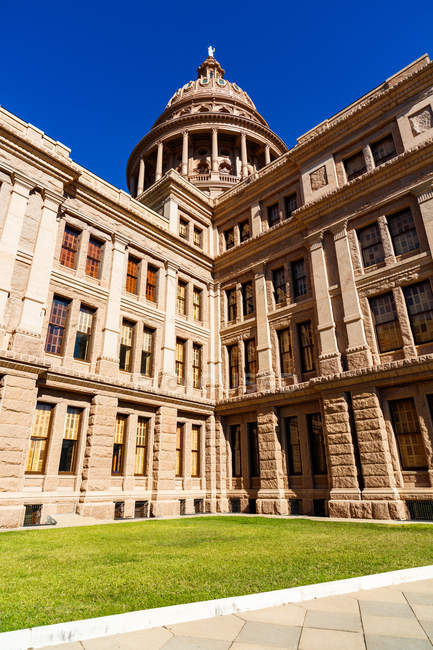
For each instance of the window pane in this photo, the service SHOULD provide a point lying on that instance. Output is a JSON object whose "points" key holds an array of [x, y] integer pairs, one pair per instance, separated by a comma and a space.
{"points": [[279, 282], [69, 247], [195, 450], [285, 352], [419, 302], [406, 428], [56, 325], [244, 230], [247, 298], [233, 366], [141, 446], [307, 346], [132, 275], [273, 215], [235, 446], [403, 232], [386, 322], [253, 449], [180, 361], [197, 237], [67, 456], [317, 443], [299, 278], [355, 165], [293, 447], [231, 304], [250, 362], [94, 255], [196, 365], [197, 304], [181, 292], [371, 245], [151, 283], [39, 436], [179, 449], [290, 205], [383, 149], [229, 237]]}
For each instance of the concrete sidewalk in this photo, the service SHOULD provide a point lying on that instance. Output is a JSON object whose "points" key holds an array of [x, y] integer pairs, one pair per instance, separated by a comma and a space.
{"points": [[391, 618]]}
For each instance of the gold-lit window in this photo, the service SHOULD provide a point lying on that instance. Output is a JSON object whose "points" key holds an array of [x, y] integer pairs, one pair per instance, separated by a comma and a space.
{"points": [[244, 230], [198, 237], [306, 345], [118, 445], [233, 355], [196, 297], [179, 449], [183, 228], [132, 275], [180, 361], [386, 322], [70, 439], [229, 237], [250, 362], [141, 443], [196, 365], [406, 428], [39, 438], [286, 357], [279, 284], [126, 337], [147, 352], [195, 450], [181, 298]]}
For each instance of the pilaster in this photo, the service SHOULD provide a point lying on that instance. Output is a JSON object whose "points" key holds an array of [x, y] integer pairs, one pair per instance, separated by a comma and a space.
{"points": [[167, 377], [265, 372], [424, 196], [164, 502], [271, 493]]}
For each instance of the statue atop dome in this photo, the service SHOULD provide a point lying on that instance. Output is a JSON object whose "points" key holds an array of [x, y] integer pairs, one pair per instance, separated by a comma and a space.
{"points": [[210, 50]]}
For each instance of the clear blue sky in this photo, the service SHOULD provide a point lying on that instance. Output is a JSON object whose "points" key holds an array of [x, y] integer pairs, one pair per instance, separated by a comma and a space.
{"points": [[96, 75]]}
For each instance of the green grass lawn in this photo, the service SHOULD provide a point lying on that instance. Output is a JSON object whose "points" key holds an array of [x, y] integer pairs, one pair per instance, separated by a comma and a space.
{"points": [[49, 576]]}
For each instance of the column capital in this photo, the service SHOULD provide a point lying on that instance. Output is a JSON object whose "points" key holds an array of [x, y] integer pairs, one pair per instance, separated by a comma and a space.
{"points": [[314, 240], [171, 267], [339, 230], [52, 200], [120, 242], [259, 270], [21, 184]]}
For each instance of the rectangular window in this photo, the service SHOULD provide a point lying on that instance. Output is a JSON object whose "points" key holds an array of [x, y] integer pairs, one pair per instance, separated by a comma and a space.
{"points": [[196, 304], [231, 305], [279, 284], [293, 446], [403, 232], [229, 237], [70, 439], [306, 345], [68, 253], [56, 325], [94, 257], [181, 298], [383, 150], [355, 165], [118, 445], [299, 277], [183, 228], [151, 283], [180, 361], [290, 205], [147, 352], [317, 443], [84, 333], [179, 449], [233, 356], [371, 245], [39, 438], [141, 443], [195, 450], [247, 298], [285, 345], [386, 322], [250, 362], [273, 215], [196, 365], [253, 449], [198, 237], [419, 302], [244, 230], [406, 428], [126, 339], [235, 447], [132, 275]]}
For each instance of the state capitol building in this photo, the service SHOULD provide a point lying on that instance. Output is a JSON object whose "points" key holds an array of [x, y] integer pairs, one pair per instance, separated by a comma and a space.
{"points": [[249, 329]]}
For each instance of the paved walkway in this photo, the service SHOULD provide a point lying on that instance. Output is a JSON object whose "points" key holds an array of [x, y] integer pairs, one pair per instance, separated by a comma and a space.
{"points": [[390, 618]]}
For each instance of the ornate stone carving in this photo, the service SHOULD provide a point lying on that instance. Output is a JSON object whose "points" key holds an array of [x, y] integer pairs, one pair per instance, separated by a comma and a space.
{"points": [[421, 121], [318, 178]]}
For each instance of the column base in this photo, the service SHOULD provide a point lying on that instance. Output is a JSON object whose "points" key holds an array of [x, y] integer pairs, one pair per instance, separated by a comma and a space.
{"points": [[26, 343], [330, 364], [166, 508], [272, 506], [265, 382], [98, 509], [359, 357], [368, 509]]}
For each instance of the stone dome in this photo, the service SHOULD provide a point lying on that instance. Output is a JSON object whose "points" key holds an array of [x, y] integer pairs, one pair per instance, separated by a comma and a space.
{"points": [[210, 132]]}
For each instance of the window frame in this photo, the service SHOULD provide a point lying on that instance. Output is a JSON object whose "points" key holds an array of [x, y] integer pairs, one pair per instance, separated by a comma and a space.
{"points": [[39, 443], [293, 459], [395, 236], [180, 443], [195, 450], [147, 355], [319, 460], [279, 285], [253, 450], [119, 445], [85, 336], [73, 456], [286, 356], [247, 300], [180, 361], [402, 435], [141, 442], [250, 358], [152, 283], [71, 250], [232, 306], [132, 281], [233, 365], [197, 365], [310, 346], [236, 450], [411, 314], [364, 247], [53, 324], [273, 214], [374, 304], [299, 280], [125, 348], [376, 143]]}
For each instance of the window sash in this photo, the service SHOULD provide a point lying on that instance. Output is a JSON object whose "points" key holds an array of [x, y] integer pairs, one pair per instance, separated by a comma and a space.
{"points": [[179, 449], [72, 423], [126, 339], [120, 428], [233, 354], [132, 275], [253, 450], [403, 232], [273, 214], [244, 230], [285, 344], [181, 292], [141, 446], [232, 304], [56, 325], [419, 302], [180, 362], [183, 229], [197, 304], [299, 278], [67, 456], [307, 346], [386, 322], [250, 362], [229, 237], [198, 234], [355, 165], [371, 245], [127, 333], [195, 450], [290, 205], [406, 428], [151, 284], [196, 365], [279, 282], [69, 247], [383, 149], [94, 255], [293, 447], [247, 298], [39, 437], [235, 446], [317, 443]]}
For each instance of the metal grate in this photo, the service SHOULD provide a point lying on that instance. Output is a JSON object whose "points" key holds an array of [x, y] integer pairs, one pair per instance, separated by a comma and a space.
{"points": [[198, 506], [118, 509], [421, 510], [32, 515], [295, 506], [141, 509], [235, 505], [319, 507], [182, 506]]}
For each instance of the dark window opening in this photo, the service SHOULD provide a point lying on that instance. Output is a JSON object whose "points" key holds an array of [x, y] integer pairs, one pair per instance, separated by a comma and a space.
{"points": [[119, 507], [32, 516]]}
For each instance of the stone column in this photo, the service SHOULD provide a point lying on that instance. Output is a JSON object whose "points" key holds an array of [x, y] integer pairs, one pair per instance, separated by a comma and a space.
{"points": [[329, 357], [10, 237], [95, 498], [380, 489], [185, 153], [27, 337], [256, 219], [159, 155], [141, 170], [265, 373], [270, 497], [171, 212], [267, 155], [345, 493], [215, 150], [358, 351], [424, 196], [108, 363], [210, 465], [221, 465], [167, 378], [17, 407], [244, 156], [164, 501]]}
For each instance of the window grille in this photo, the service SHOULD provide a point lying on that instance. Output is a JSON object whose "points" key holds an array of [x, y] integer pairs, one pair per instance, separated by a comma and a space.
{"points": [[403, 232], [119, 507], [32, 515], [371, 245], [198, 506], [252, 506], [319, 507], [94, 257], [141, 443], [235, 505], [69, 249], [56, 325], [70, 438], [420, 510], [386, 322], [141, 510], [39, 438], [419, 302], [182, 506], [132, 275], [406, 428]]}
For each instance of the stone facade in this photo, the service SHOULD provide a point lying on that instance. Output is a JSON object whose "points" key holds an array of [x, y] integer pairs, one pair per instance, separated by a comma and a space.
{"points": [[250, 329]]}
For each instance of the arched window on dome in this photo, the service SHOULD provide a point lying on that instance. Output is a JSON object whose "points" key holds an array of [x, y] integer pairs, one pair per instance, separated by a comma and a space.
{"points": [[202, 168], [225, 168]]}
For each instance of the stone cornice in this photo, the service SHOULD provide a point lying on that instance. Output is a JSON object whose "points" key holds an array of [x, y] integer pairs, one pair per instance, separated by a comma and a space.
{"points": [[173, 181]]}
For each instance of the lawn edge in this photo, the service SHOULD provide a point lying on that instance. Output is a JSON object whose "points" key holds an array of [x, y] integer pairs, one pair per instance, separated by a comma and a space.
{"points": [[81, 630]]}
